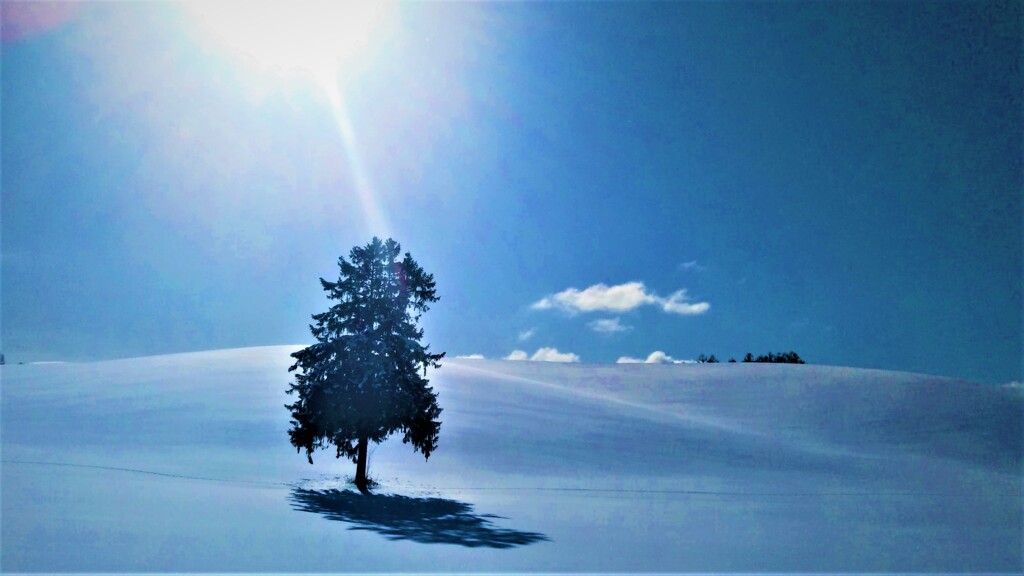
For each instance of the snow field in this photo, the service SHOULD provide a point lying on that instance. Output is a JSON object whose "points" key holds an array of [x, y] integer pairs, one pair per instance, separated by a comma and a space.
{"points": [[182, 463]]}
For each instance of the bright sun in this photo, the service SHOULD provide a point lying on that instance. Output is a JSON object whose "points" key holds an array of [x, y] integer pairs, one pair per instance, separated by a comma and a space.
{"points": [[315, 38], [323, 42]]}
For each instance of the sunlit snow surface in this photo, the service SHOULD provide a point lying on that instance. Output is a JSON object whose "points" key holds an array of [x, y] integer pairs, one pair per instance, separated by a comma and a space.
{"points": [[182, 463]]}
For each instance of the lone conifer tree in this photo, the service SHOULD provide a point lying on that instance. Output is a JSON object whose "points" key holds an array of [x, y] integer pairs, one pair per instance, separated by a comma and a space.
{"points": [[361, 381]]}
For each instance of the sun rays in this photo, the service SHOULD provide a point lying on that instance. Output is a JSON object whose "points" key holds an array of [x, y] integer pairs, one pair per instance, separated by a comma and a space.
{"points": [[374, 218], [322, 43]]}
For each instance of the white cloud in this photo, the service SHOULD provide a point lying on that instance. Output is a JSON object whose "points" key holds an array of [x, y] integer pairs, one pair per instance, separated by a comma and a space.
{"points": [[608, 326], [544, 355], [598, 297], [526, 334], [619, 298], [472, 357], [677, 304], [692, 265], [659, 357], [553, 355], [656, 357]]}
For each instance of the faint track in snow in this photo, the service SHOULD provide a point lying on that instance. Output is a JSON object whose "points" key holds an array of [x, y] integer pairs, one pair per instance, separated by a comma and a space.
{"points": [[705, 492], [688, 416], [149, 472], [651, 491]]}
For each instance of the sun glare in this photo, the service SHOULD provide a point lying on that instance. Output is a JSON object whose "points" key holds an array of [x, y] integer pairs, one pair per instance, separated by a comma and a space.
{"points": [[315, 38], [324, 43]]}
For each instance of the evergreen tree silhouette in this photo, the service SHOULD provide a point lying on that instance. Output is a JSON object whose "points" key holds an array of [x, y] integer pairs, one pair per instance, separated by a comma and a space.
{"points": [[361, 381]]}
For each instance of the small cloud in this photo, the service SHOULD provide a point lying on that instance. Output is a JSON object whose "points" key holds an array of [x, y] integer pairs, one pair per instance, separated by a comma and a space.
{"points": [[659, 357], [526, 334], [544, 355], [543, 304], [692, 265], [608, 326], [677, 304], [553, 355], [619, 298], [598, 298], [472, 357], [656, 357]]}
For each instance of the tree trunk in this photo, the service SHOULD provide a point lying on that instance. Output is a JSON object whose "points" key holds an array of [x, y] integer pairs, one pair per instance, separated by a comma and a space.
{"points": [[361, 482]]}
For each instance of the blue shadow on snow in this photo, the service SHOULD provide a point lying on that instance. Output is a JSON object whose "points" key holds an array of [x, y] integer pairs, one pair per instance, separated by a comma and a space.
{"points": [[424, 520]]}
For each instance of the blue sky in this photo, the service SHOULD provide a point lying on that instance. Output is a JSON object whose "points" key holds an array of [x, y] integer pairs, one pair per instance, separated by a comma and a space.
{"points": [[584, 180]]}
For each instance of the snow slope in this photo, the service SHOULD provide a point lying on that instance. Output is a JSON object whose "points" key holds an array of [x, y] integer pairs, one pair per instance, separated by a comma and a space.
{"points": [[182, 463]]}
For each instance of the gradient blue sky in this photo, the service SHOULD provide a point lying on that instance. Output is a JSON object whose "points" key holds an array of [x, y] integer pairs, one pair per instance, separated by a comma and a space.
{"points": [[839, 179]]}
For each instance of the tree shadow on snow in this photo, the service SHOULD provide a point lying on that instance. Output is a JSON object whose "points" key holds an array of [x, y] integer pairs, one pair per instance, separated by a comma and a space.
{"points": [[424, 520]]}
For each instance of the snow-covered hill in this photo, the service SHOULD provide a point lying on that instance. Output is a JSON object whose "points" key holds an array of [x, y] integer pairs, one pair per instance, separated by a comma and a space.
{"points": [[182, 463]]}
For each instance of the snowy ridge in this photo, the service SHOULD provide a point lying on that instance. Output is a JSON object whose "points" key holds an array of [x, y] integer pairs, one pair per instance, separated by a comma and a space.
{"points": [[655, 410], [182, 463]]}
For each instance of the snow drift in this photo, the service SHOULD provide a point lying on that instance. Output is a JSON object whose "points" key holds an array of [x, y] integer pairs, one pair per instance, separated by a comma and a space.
{"points": [[182, 463]]}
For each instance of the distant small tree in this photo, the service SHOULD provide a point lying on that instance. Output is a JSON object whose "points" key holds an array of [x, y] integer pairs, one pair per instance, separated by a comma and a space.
{"points": [[361, 381], [712, 359], [749, 357], [791, 358], [2, 361], [780, 358], [732, 360], [702, 359]]}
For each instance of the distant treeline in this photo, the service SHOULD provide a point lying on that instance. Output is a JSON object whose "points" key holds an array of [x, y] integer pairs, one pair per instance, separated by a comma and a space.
{"points": [[769, 358]]}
